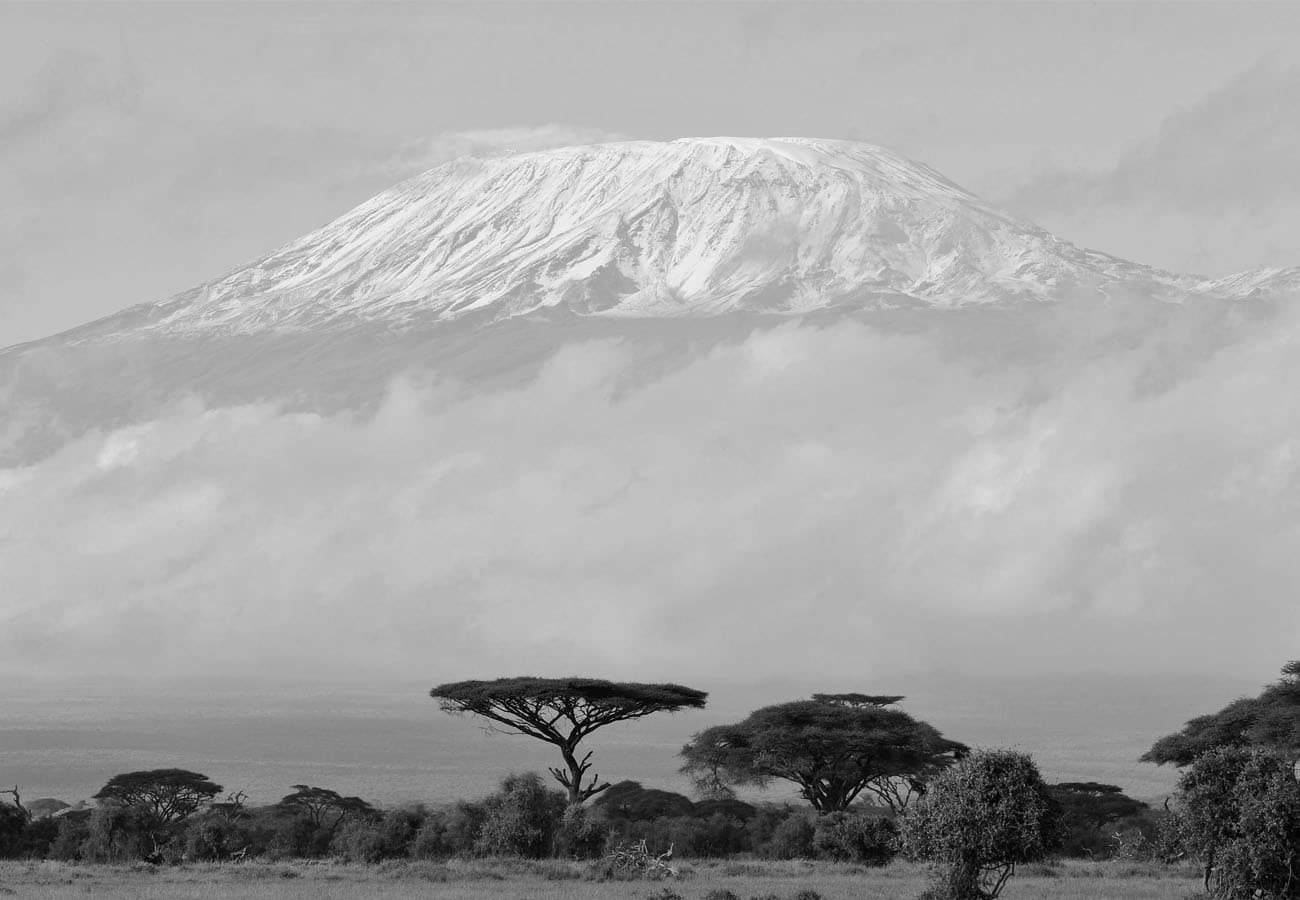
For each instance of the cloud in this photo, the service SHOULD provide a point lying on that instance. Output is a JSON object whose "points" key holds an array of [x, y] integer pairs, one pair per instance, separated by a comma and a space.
{"points": [[1215, 189], [840, 503], [71, 84], [421, 155]]}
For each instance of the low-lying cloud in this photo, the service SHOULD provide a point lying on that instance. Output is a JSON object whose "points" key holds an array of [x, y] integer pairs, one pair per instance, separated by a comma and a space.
{"points": [[1215, 189], [1070, 493], [418, 156]]}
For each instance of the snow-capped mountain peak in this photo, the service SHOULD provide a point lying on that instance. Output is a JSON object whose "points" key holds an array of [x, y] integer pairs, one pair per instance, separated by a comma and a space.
{"points": [[691, 227]]}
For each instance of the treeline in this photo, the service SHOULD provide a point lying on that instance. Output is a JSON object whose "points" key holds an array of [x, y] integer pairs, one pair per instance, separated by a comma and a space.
{"points": [[523, 818], [876, 783]]}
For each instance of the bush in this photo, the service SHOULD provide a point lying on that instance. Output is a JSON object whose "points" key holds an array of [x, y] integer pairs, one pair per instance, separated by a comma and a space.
{"points": [[13, 823], [369, 840], [463, 822], [578, 837], [73, 832], [979, 819], [38, 836], [120, 833], [433, 839], [521, 819], [1239, 813], [854, 837], [294, 836], [629, 800], [791, 839]]}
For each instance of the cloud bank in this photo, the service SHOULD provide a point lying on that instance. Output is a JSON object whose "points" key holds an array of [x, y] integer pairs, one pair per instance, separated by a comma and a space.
{"points": [[1214, 190], [1075, 491], [418, 156]]}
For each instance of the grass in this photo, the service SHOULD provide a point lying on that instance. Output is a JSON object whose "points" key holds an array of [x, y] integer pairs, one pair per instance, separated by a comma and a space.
{"points": [[523, 880]]}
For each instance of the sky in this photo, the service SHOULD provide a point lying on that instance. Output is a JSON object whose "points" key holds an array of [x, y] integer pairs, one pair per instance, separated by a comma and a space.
{"points": [[145, 148], [1082, 491]]}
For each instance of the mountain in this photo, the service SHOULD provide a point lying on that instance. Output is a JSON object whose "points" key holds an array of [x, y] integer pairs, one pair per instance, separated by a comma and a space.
{"points": [[472, 266], [645, 229]]}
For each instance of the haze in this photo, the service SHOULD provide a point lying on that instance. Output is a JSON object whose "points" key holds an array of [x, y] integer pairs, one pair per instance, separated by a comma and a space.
{"points": [[1078, 490]]}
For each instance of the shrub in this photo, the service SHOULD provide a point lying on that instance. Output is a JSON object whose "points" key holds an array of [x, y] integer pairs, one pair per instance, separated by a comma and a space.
{"points": [[74, 831], [211, 838], [521, 819], [13, 823], [357, 840], [791, 839], [38, 837], [629, 800], [120, 833], [294, 836], [1240, 815], [578, 837], [433, 840], [980, 819], [463, 822], [854, 837]]}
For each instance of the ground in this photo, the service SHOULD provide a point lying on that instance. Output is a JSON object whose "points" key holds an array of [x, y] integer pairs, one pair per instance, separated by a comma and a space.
{"points": [[516, 880]]}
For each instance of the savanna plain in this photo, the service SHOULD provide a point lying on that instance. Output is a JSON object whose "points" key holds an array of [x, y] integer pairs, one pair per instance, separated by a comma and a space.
{"points": [[556, 880]]}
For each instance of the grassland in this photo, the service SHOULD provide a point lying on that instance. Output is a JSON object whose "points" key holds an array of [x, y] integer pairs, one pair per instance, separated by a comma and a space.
{"points": [[517, 880]]}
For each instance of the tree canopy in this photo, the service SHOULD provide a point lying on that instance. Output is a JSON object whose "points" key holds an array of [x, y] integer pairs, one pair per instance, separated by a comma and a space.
{"points": [[167, 795], [1271, 721], [563, 711], [1239, 814], [322, 806], [982, 817], [833, 747]]}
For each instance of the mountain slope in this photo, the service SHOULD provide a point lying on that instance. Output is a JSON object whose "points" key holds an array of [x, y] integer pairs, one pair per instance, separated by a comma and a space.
{"points": [[644, 229], [480, 269]]}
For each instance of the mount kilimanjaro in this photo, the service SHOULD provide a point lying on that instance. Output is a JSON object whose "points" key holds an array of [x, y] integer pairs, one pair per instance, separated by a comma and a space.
{"points": [[479, 267]]}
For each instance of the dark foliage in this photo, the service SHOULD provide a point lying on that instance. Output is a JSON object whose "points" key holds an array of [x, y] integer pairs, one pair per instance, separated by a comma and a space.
{"points": [[834, 747], [792, 838], [1271, 720], [1239, 814], [563, 711], [1092, 814], [521, 819], [13, 827], [629, 800], [981, 818], [74, 831], [323, 807], [165, 795], [869, 840]]}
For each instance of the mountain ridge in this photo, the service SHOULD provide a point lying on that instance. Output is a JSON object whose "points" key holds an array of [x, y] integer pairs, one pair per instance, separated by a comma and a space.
{"points": [[692, 227]]}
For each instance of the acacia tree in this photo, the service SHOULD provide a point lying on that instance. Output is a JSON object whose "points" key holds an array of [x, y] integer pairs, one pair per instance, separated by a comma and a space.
{"points": [[980, 819], [834, 747], [1271, 721], [318, 804], [563, 711], [1088, 807], [166, 795]]}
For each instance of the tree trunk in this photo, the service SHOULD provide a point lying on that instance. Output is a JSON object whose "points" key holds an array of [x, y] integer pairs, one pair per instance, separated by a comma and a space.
{"points": [[575, 776]]}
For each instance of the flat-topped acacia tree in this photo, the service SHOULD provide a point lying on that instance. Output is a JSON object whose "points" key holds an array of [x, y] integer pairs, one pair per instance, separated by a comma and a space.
{"points": [[1271, 721], [167, 795], [563, 711], [833, 747]]}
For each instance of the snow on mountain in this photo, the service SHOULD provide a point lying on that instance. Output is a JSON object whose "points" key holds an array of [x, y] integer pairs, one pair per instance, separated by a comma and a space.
{"points": [[480, 269], [692, 227], [1256, 283]]}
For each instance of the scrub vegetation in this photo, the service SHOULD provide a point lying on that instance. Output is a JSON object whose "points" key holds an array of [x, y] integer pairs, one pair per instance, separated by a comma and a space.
{"points": [[892, 808]]}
